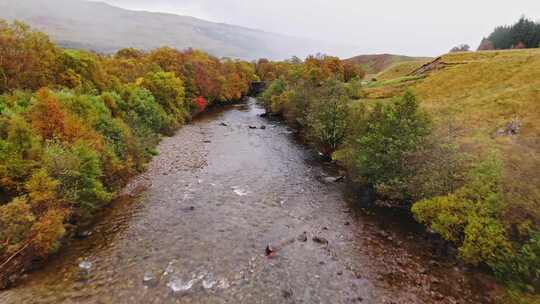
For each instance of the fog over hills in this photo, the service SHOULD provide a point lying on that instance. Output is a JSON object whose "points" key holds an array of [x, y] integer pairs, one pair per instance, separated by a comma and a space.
{"points": [[104, 28]]}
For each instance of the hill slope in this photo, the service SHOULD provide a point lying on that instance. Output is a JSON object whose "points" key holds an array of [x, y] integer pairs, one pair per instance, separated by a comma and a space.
{"points": [[105, 28], [486, 93], [374, 64]]}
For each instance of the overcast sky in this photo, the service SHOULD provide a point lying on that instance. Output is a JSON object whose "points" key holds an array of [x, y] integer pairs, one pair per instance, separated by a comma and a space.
{"points": [[409, 27]]}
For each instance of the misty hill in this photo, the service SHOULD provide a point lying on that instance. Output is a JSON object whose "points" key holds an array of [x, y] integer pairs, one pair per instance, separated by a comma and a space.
{"points": [[374, 64], [104, 28]]}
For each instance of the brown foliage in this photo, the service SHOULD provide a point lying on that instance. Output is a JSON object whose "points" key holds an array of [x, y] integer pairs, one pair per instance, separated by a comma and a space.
{"points": [[28, 59], [52, 121]]}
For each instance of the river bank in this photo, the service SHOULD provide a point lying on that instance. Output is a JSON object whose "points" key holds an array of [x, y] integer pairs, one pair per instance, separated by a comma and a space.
{"points": [[193, 229]]}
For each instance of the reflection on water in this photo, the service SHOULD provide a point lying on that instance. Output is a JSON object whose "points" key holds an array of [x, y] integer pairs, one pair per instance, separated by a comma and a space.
{"points": [[222, 190]]}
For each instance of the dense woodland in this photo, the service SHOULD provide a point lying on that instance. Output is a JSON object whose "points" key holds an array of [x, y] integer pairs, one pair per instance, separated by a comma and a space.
{"points": [[76, 126], [412, 161], [525, 33]]}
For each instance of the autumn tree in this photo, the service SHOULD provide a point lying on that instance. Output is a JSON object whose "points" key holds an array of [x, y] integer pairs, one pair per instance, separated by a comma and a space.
{"points": [[168, 90], [28, 59]]}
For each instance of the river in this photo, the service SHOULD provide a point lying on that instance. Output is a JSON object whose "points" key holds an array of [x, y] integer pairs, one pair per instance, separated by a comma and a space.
{"points": [[194, 228]]}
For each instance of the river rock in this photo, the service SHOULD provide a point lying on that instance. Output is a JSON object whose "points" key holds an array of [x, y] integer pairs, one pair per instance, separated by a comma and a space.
{"points": [[286, 294], [85, 265], [302, 237], [179, 286], [84, 270], [331, 179], [150, 280], [320, 240], [83, 234]]}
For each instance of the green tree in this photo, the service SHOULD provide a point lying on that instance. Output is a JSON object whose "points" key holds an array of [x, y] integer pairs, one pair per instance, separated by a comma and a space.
{"points": [[78, 169], [168, 90], [328, 116], [393, 132], [276, 88]]}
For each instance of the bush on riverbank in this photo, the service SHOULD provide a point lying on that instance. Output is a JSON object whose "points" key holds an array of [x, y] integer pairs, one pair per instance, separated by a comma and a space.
{"points": [[312, 96], [395, 132], [76, 126]]}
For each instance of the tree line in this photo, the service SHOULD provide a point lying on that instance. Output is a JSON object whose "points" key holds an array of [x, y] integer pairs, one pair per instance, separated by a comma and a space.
{"points": [[75, 126], [525, 33]]}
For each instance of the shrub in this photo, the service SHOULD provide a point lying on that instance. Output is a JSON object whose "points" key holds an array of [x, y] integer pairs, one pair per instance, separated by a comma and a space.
{"points": [[471, 217], [48, 231], [50, 118], [78, 169], [29, 58], [142, 113], [328, 116], [95, 113], [393, 132], [16, 220], [168, 91], [200, 104], [523, 268], [20, 152], [276, 88], [42, 192]]}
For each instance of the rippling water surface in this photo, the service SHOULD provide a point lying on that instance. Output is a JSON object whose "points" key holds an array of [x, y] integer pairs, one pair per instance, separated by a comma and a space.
{"points": [[211, 202]]}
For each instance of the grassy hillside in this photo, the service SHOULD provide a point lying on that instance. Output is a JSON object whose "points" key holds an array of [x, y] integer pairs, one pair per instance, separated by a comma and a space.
{"points": [[401, 69], [484, 92], [374, 64]]}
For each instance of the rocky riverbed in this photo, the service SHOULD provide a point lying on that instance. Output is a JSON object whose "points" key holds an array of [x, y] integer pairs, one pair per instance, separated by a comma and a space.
{"points": [[235, 210]]}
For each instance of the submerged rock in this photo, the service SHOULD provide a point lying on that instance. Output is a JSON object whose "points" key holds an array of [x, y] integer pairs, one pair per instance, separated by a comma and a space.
{"points": [[84, 270], [179, 286], [224, 284], [335, 179], [83, 234], [209, 282], [302, 237], [85, 265], [240, 192], [287, 293], [149, 280], [320, 240]]}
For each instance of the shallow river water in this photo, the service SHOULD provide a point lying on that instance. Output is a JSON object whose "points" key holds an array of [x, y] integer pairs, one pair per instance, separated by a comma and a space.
{"points": [[194, 228]]}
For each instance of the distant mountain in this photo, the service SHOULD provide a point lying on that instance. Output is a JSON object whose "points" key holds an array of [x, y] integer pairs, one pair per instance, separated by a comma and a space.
{"points": [[104, 28], [374, 64]]}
